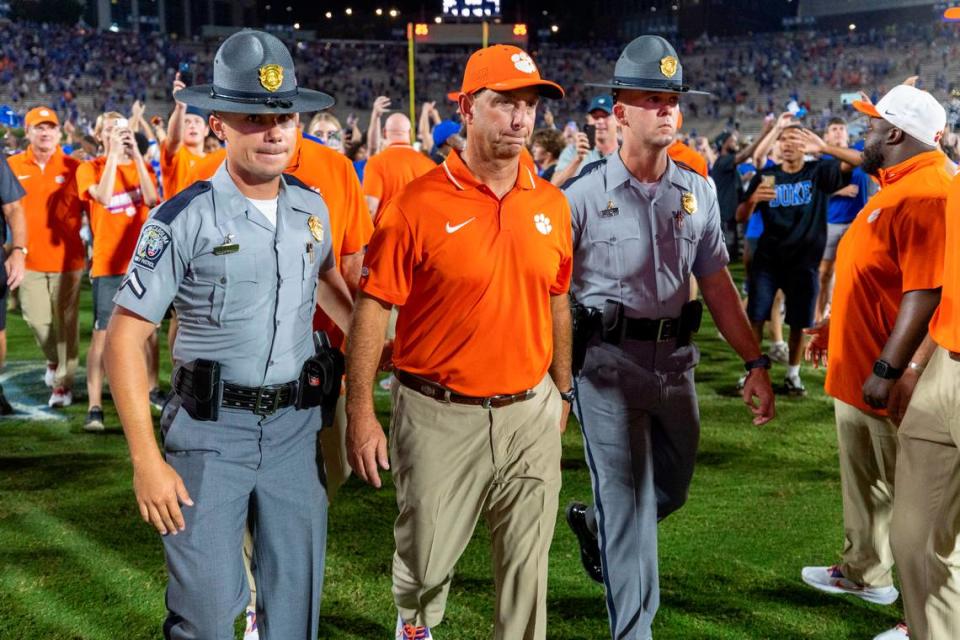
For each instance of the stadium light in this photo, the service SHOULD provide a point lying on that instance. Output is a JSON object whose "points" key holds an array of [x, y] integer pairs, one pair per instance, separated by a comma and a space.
{"points": [[438, 20], [554, 28], [328, 15], [379, 12], [394, 13], [348, 11], [520, 29], [296, 25], [853, 27], [421, 29]]}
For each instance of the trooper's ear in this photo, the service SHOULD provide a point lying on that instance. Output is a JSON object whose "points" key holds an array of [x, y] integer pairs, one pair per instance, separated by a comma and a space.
{"points": [[216, 125], [620, 113]]}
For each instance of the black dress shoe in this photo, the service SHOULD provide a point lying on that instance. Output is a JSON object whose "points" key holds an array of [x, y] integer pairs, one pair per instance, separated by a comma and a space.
{"points": [[5, 408], [589, 547]]}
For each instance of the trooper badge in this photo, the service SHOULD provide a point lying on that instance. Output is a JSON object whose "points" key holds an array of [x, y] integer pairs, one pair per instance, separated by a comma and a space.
{"points": [[316, 228]]}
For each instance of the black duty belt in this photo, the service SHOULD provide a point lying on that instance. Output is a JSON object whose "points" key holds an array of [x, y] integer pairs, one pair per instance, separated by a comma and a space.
{"points": [[260, 400], [439, 392], [649, 329]]}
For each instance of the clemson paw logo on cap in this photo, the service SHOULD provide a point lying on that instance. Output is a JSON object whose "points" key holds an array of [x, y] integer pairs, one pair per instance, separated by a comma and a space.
{"points": [[543, 223], [523, 62], [43, 112]]}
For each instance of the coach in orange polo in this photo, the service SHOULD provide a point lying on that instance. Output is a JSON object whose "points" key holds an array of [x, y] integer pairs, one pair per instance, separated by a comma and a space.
{"points": [[477, 256], [50, 289]]}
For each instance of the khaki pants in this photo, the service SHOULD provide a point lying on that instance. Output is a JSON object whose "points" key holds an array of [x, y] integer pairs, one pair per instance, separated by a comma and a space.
{"points": [[868, 458], [453, 463], [333, 457], [926, 513], [49, 302]]}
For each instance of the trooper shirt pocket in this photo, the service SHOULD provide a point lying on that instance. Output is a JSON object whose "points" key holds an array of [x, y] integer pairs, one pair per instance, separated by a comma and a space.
{"points": [[616, 246]]}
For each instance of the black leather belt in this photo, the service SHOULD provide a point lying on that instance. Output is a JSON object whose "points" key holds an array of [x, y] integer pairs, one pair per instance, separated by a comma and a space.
{"points": [[260, 400], [651, 330], [439, 392]]}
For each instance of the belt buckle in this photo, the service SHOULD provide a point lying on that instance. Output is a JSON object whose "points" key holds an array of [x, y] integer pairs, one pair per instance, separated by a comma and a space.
{"points": [[487, 402], [268, 409], [662, 323]]}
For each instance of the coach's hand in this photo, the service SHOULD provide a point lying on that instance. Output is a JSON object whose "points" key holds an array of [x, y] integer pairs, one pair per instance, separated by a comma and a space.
{"points": [[900, 394], [816, 351], [160, 492], [876, 391], [366, 447], [757, 386]]}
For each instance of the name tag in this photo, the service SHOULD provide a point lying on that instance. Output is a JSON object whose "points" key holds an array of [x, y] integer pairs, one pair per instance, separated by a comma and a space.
{"points": [[609, 213], [224, 249]]}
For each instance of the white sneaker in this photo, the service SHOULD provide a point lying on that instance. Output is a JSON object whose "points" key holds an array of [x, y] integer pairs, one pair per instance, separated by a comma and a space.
{"points": [[832, 580], [61, 397], [899, 632], [410, 632], [49, 376], [779, 352], [251, 633]]}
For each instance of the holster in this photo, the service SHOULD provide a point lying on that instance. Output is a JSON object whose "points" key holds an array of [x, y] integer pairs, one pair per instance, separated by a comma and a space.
{"points": [[320, 379], [691, 315], [611, 328], [586, 321], [202, 397]]}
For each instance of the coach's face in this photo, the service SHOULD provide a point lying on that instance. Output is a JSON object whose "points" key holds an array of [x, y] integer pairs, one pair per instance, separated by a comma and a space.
{"points": [[500, 122], [647, 117], [44, 136], [259, 145]]}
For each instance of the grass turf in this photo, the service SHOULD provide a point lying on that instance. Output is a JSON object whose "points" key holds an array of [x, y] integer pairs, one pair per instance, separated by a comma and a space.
{"points": [[78, 563]]}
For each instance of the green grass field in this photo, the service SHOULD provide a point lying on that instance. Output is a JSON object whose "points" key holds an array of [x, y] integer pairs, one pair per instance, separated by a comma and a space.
{"points": [[78, 563]]}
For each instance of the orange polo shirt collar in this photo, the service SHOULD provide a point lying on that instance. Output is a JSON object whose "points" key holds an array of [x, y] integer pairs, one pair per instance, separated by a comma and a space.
{"points": [[897, 172], [462, 178]]}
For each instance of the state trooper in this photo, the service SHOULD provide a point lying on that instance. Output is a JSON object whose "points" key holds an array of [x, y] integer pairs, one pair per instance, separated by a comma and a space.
{"points": [[642, 225], [242, 258]]}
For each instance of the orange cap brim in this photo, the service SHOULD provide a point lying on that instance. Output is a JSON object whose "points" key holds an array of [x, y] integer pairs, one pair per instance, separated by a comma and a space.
{"points": [[867, 108], [453, 96], [953, 13], [547, 89]]}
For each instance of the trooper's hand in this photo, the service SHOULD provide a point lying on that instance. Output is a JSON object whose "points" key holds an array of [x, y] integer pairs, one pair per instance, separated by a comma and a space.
{"points": [[366, 447], [160, 492], [757, 386]]}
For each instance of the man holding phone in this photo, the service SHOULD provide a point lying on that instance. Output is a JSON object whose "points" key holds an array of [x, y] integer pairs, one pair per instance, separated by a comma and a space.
{"points": [[792, 199], [597, 140]]}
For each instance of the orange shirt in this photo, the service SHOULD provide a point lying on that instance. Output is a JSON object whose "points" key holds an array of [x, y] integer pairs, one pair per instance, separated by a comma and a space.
{"points": [[388, 172], [53, 211], [117, 226], [682, 153], [894, 245], [177, 169], [204, 168], [473, 276], [945, 325]]}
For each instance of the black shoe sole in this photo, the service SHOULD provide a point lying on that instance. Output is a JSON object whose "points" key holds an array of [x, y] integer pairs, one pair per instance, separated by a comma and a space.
{"points": [[587, 542]]}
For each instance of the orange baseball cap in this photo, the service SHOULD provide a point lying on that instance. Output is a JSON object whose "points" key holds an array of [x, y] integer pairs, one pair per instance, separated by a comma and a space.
{"points": [[952, 14], [41, 114], [503, 67]]}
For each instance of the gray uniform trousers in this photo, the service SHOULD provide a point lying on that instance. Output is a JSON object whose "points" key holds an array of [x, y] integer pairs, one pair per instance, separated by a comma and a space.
{"points": [[641, 428], [242, 467]]}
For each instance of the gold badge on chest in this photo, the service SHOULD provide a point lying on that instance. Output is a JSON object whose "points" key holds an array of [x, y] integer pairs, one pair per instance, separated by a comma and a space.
{"points": [[689, 203], [316, 228]]}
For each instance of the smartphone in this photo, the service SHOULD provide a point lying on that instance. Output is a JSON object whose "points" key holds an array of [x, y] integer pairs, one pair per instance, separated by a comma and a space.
{"points": [[186, 75], [122, 123], [591, 131], [768, 181]]}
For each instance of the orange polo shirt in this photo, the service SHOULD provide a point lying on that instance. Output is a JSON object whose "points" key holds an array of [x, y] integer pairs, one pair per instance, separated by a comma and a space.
{"points": [[53, 211], [895, 244], [683, 153], [177, 169], [473, 276], [204, 168], [117, 226], [945, 325], [388, 172]]}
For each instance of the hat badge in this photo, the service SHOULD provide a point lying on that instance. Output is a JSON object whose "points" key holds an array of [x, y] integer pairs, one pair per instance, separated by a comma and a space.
{"points": [[316, 228], [689, 203], [668, 66], [271, 77]]}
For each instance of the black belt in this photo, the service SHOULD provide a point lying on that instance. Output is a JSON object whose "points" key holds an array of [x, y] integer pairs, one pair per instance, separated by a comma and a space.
{"points": [[439, 392], [651, 330], [260, 400]]}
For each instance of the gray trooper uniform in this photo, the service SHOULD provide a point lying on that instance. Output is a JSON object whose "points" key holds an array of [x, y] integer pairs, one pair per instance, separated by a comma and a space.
{"points": [[637, 399], [244, 293]]}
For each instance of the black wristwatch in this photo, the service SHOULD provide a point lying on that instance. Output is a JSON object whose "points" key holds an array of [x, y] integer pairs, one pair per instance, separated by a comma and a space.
{"points": [[885, 370], [569, 396], [762, 361]]}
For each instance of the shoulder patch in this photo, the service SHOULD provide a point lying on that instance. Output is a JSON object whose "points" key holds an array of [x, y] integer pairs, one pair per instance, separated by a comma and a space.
{"points": [[596, 164], [154, 241], [172, 207]]}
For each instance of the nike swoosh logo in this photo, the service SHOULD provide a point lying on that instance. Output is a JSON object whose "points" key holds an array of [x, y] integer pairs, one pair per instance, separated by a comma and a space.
{"points": [[452, 229], [22, 177]]}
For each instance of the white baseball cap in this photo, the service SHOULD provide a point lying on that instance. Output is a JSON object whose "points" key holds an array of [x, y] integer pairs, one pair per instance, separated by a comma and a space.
{"points": [[912, 110]]}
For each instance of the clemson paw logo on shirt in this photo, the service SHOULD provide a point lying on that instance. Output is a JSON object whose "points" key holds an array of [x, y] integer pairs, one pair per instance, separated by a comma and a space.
{"points": [[543, 223], [523, 62]]}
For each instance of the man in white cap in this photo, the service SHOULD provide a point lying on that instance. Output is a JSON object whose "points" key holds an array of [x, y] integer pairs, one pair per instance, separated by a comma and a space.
{"points": [[889, 272]]}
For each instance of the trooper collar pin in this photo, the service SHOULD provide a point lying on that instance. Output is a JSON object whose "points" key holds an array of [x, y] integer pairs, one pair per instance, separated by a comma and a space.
{"points": [[610, 211]]}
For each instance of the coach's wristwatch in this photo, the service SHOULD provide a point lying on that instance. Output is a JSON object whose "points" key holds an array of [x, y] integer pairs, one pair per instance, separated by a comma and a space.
{"points": [[569, 396], [885, 370], [762, 361], [19, 248]]}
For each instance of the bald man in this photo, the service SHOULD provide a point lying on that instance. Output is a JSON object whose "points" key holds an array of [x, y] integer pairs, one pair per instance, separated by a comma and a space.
{"points": [[388, 172]]}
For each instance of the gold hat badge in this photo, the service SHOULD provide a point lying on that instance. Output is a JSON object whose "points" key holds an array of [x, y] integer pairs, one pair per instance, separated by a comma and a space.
{"points": [[689, 203], [316, 228], [668, 66], [271, 77]]}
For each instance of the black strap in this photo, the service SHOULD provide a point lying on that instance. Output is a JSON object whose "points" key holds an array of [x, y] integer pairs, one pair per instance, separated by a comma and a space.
{"points": [[651, 329], [261, 400]]}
